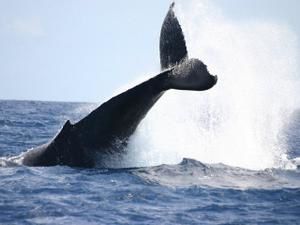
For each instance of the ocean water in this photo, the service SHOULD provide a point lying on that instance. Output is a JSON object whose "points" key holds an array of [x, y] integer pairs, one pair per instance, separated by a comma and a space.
{"points": [[189, 192], [229, 155]]}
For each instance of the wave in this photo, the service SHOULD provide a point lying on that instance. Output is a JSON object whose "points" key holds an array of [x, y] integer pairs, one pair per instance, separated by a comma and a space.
{"points": [[191, 172]]}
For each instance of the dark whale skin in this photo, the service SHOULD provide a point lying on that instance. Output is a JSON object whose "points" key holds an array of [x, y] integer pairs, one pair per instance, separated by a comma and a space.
{"points": [[105, 131]]}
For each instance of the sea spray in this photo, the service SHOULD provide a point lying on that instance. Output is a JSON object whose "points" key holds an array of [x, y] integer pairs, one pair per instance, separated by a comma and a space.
{"points": [[238, 122]]}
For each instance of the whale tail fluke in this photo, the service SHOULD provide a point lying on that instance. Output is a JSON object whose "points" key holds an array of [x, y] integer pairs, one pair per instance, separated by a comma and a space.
{"points": [[187, 74], [191, 74], [172, 44]]}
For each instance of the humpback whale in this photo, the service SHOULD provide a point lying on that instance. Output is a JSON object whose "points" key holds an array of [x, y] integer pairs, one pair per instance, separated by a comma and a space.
{"points": [[105, 131]]}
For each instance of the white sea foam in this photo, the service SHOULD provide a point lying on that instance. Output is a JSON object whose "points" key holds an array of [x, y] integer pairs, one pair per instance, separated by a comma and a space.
{"points": [[238, 122]]}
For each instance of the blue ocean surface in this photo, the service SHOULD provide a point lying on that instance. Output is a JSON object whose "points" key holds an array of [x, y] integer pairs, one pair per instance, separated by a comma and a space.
{"points": [[190, 192]]}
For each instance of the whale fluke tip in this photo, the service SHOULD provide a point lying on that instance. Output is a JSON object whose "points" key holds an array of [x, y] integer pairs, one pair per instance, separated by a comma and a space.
{"points": [[172, 5], [172, 44], [192, 74]]}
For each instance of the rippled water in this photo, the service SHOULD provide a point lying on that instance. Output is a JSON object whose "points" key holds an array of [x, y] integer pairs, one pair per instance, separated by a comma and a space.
{"points": [[187, 193]]}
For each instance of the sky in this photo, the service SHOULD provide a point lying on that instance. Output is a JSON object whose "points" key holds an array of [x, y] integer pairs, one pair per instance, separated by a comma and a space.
{"points": [[84, 50]]}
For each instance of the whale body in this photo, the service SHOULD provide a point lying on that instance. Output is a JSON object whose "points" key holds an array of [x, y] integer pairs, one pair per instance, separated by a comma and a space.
{"points": [[105, 131]]}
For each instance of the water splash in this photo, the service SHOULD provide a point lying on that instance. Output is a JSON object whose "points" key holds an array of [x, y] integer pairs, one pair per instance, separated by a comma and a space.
{"points": [[239, 122]]}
